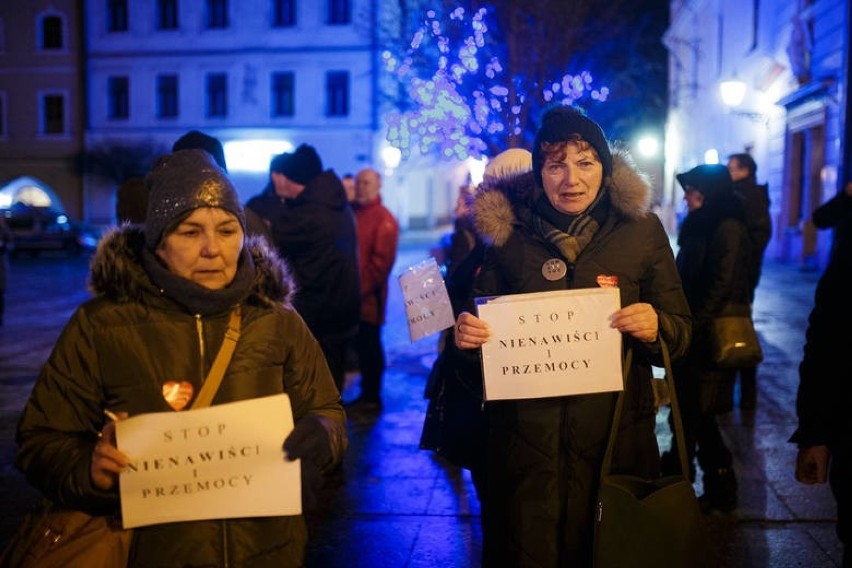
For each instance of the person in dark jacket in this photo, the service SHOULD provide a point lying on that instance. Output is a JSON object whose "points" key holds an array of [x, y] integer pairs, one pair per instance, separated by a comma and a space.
{"points": [[456, 425], [824, 396], [313, 228], [162, 298], [581, 221], [713, 262], [755, 200]]}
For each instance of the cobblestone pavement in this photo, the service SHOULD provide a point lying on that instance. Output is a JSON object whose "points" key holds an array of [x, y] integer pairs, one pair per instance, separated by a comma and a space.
{"points": [[394, 505]]}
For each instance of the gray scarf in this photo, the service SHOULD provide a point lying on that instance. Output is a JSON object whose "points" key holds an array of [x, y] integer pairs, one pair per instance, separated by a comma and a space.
{"points": [[569, 233]]}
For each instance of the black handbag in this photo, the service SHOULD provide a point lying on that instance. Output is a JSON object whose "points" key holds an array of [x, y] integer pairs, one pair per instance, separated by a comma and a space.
{"points": [[647, 522], [734, 342]]}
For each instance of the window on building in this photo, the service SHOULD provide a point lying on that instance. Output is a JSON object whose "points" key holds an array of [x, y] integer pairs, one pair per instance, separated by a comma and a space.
{"points": [[53, 114], [116, 15], [217, 95], [283, 94], [118, 105], [167, 14], [167, 96], [337, 93], [339, 12], [216, 14], [283, 13], [51, 32]]}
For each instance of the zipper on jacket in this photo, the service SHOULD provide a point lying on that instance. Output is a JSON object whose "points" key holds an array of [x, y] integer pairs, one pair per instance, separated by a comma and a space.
{"points": [[199, 328]]}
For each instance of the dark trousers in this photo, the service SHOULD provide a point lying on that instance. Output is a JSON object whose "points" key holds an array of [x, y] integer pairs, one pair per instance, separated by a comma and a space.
{"points": [[334, 348], [371, 361], [840, 477]]}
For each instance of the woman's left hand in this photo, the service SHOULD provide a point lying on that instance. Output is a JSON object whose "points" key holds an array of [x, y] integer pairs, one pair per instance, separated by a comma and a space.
{"points": [[639, 320]]}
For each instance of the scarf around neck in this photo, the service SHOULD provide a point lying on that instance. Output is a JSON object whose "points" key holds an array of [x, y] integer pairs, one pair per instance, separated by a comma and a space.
{"points": [[569, 233], [194, 297]]}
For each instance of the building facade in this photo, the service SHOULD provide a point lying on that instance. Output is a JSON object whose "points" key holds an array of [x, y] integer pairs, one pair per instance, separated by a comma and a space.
{"points": [[789, 60], [261, 75], [42, 96]]}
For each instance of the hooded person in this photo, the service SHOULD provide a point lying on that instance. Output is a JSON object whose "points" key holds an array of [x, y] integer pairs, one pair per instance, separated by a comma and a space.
{"points": [[313, 229], [163, 297], [712, 260], [580, 219]]}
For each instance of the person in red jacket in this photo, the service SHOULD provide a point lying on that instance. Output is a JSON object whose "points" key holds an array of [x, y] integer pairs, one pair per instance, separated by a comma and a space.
{"points": [[378, 234]]}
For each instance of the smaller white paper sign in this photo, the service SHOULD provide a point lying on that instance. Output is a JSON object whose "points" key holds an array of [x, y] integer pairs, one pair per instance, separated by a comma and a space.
{"points": [[427, 304], [224, 461], [551, 344]]}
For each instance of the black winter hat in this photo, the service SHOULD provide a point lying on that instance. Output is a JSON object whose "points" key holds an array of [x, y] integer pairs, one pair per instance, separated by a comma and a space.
{"points": [[709, 179], [558, 124], [195, 140], [300, 166], [180, 183]]}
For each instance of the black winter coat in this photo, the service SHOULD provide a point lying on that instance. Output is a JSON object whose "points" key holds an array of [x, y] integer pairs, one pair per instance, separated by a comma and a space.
{"points": [[713, 261], [544, 455], [118, 350], [755, 201], [315, 233]]}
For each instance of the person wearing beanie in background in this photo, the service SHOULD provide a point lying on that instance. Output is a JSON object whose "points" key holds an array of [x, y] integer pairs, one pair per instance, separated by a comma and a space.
{"points": [[713, 262], [378, 235], [164, 295], [456, 424], [583, 221], [313, 228]]}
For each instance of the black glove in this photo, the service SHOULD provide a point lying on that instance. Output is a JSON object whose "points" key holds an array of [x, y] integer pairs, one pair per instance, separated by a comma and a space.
{"points": [[309, 442]]}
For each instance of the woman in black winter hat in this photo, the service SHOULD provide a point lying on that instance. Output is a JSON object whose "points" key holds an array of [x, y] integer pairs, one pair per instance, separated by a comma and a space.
{"points": [[580, 219], [712, 260], [164, 295]]}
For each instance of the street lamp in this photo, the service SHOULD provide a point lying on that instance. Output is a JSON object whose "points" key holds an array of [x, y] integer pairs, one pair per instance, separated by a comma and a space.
{"points": [[733, 92]]}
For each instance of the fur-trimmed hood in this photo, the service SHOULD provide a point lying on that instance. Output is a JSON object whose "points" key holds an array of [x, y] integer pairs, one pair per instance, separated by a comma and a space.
{"points": [[117, 271], [498, 207]]}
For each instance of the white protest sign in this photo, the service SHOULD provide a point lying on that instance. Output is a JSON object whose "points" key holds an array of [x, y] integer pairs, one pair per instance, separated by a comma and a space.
{"points": [[427, 304], [551, 344], [224, 461]]}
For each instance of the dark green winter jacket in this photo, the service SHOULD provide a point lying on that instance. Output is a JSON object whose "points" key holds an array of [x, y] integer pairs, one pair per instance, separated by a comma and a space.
{"points": [[118, 350], [544, 455]]}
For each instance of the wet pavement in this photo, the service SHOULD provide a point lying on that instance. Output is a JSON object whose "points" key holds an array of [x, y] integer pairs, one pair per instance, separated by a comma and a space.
{"points": [[393, 505]]}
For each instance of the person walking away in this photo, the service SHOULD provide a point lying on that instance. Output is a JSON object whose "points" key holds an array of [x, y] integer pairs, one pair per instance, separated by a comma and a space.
{"points": [[5, 247], [586, 223], [163, 296], [378, 236], [755, 200], [313, 229], [713, 264]]}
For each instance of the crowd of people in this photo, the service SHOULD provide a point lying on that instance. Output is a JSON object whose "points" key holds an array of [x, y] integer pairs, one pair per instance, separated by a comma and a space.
{"points": [[304, 266]]}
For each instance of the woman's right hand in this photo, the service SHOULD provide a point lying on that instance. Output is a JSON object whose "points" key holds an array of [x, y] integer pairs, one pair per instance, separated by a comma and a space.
{"points": [[470, 332], [107, 460]]}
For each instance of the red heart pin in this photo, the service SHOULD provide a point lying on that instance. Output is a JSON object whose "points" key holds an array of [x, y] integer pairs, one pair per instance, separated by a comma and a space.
{"points": [[177, 394], [605, 281]]}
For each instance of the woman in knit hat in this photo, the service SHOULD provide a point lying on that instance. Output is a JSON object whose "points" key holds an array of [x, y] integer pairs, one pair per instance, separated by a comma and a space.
{"points": [[164, 295], [580, 219]]}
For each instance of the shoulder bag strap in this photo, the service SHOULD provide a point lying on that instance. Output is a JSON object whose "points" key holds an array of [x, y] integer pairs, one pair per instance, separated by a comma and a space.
{"points": [[223, 357], [675, 409]]}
